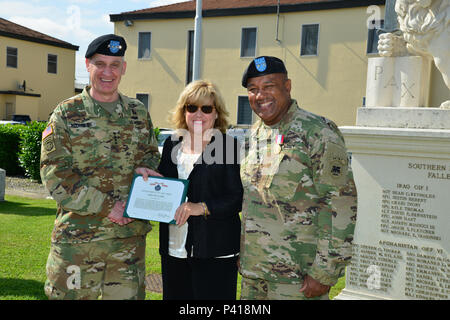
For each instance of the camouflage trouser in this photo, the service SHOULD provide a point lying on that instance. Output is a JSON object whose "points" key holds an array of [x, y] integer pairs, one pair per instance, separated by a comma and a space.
{"points": [[259, 289], [113, 269]]}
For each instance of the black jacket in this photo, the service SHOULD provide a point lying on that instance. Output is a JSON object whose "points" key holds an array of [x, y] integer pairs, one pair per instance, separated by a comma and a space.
{"points": [[215, 181]]}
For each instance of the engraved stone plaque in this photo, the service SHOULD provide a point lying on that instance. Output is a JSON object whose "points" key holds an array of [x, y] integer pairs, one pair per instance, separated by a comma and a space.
{"points": [[398, 82], [402, 239]]}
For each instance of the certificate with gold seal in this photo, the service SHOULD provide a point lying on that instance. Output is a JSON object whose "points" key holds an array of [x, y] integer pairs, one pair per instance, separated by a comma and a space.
{"points": [[156, 199]]}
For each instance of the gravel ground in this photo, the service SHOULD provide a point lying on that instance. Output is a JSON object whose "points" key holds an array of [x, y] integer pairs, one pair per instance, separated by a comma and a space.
{"points": [[22, 186]]}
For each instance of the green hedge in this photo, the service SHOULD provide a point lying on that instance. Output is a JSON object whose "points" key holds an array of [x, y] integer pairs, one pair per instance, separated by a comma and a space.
{"points": [[30, 149], [9, 149], [20, 149]]}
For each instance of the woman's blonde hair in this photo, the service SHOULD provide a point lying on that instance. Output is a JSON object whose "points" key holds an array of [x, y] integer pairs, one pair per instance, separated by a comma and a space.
{"points": [[193, 93]]}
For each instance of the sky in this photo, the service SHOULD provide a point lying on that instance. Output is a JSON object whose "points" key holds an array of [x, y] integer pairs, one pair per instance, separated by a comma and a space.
{"points": [[75, 21]]}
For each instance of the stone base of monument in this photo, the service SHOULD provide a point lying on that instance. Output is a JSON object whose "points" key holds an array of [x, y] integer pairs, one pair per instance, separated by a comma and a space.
{"points": [[402, 173], [2, 184]]}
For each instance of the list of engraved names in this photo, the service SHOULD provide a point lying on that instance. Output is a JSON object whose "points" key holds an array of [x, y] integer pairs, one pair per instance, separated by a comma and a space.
{"points": [[407, 209], [412, 248]]}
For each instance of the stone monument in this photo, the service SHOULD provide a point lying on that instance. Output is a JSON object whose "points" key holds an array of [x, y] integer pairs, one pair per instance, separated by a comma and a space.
{"points": [[2, 184], [401, 162]]}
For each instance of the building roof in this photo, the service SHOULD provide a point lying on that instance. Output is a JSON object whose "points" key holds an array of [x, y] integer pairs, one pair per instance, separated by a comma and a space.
{"points": [[215, 8], [14, 30]]}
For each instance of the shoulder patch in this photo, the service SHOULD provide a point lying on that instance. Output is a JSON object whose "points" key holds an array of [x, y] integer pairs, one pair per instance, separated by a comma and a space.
{"points": [[335, 165], [48, 131], [49, 144]]}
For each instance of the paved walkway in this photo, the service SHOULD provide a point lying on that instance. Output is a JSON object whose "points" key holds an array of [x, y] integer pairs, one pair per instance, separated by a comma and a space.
{"points": [[153, 282]]}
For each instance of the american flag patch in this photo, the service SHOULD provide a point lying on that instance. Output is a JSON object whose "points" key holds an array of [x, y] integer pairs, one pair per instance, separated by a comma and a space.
{"points": [[48, 131]]}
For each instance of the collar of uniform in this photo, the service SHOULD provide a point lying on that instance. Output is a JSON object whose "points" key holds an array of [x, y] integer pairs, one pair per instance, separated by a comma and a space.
{"points": [[89, 104]]}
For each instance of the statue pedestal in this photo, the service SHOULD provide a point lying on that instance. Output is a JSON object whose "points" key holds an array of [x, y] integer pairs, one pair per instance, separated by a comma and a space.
{"points": [[402, 174], [2, 184], [398, 81]]}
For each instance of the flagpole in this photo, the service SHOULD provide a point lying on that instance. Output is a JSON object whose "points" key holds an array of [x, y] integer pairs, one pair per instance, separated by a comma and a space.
{"points": [[197, 40]]}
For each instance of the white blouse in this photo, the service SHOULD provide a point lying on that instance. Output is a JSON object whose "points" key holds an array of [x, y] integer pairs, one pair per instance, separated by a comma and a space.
{"points": [[178, 234]]}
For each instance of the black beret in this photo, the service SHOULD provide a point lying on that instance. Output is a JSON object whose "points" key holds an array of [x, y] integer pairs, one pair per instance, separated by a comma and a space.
{"points": [[261, 66], [108, 45]]}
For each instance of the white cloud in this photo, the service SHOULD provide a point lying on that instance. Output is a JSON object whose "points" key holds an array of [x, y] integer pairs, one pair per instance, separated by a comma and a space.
{"points": [[10, 8], [158, 3], [68, 22], [68, 28], [84, 1], [62, 23], [75, 21]]}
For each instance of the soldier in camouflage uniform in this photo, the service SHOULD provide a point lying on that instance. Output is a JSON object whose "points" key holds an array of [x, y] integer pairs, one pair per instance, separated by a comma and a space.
{"points": [[299, 209], [91, 148]]}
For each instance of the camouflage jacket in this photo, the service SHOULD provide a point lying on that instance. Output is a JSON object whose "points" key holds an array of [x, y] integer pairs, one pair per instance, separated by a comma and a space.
{"points": [[88, 158], [299, 209]]}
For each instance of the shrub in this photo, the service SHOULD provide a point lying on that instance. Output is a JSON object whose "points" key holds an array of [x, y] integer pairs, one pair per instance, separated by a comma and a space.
{"points": [[156, 131], [9, 148], [20, 151], [30, 149]]}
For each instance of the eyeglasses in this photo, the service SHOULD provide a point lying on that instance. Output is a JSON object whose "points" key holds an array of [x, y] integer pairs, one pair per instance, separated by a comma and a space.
{"points": [[192, 108]]}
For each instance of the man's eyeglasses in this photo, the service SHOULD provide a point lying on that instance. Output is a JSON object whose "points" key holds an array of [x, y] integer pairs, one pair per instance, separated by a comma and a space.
{"points": [[192, 108]]}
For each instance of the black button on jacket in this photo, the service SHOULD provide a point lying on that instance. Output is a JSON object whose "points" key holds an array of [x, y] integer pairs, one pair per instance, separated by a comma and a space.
{"points": [[215, 180]]}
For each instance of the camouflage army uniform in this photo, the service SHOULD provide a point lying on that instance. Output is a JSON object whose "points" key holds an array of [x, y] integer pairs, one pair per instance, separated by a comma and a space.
{"points": [[299, 209], [88, 158]]}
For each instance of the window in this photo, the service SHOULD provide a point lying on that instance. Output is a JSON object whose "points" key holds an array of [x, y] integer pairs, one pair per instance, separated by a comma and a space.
{"points": [[372, 37], [144, 45], [52, 63], [310, 40], [11, 57], [244, 111], [190, 56], [248, 42], [143, 97]]}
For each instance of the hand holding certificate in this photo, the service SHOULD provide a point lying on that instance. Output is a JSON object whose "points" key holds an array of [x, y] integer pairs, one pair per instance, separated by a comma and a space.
{"points": [[156, 199]]}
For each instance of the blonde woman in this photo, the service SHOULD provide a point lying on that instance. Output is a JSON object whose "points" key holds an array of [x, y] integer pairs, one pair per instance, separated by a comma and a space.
{"points": [[200, 252]]}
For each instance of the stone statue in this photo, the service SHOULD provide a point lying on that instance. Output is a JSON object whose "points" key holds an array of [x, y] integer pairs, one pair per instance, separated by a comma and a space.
{"points": [[424, 26]]}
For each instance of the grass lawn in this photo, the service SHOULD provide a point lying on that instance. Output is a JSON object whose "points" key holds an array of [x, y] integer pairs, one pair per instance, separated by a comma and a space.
{"points": [[25, 228]]}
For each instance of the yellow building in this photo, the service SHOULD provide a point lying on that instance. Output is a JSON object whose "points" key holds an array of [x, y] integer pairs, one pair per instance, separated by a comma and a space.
{"points": [[325, 45], [36, 71]]}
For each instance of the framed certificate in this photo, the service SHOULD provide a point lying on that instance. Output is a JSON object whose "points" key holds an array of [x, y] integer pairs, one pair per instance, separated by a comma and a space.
{"points": [[156, 199]]}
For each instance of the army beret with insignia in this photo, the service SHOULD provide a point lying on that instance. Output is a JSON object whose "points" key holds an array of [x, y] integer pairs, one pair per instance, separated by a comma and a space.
{"points": [[108, 45], [261, 66]]}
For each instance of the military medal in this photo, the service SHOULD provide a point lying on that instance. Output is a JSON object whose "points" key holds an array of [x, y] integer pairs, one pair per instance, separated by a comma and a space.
{"points": [[279, 142], [280, 139]]}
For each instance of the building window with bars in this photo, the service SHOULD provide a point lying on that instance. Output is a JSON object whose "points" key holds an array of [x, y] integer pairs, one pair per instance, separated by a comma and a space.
{"points": [[52, 63], [244, 111], [248, 42], [310, 40], [11, 57], [144, 49], [143, 97]]}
